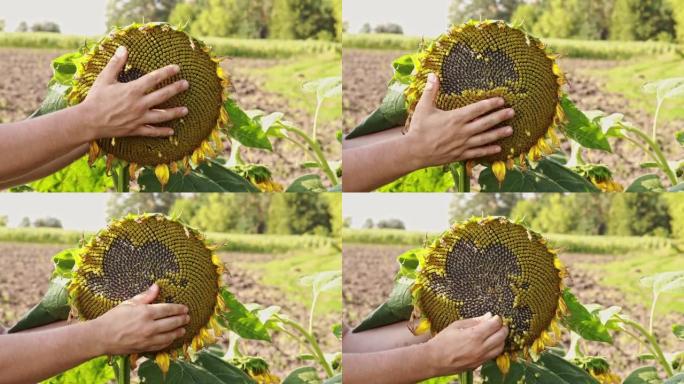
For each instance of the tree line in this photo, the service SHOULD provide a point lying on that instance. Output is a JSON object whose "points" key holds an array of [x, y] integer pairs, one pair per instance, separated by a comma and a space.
{"points": [[624, 20]]}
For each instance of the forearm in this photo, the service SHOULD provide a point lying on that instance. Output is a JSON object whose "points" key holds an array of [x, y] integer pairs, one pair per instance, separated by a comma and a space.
{"points": [[373, 138], [61, 349], [379, 339], [28, 144], [369, 167], [46, 169], [396, 366]]}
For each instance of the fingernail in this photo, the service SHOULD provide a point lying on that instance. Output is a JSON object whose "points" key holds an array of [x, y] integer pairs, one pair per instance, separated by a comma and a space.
{"points": [[187, 318], [508, 130], [510, 112], [187, 309], [153, 287], [175, 68], [120, 51], [488, 315], [186, 84], [183, 331], [430, 81], [500, 101], [185, 110], [496, 149]]}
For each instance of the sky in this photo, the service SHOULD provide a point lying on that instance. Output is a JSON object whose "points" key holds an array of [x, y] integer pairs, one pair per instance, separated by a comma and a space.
{"points": [[76, 211], [74, 17], [427, 212], [427, 18]]}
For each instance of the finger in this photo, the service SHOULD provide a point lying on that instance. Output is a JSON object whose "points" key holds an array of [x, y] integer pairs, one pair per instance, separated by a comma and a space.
{"points": [[111, 71], [155, 116], [166, 338], [155, 77], [468, 323], [160, 311], [145, 297], [161, 95], [488, 327], [489, 137], [475, 110], [170, 323], [474, 153], [151, 131], [497, 340], [491, 120], [427, 100]]}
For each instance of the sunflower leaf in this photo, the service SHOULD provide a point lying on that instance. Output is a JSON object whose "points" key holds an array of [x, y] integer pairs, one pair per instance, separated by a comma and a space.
{"points": [[643, 375], [95, 371], [303, 375], [579, 128], [565, 369], [242, 321], [391, 113], [583, 322], [222, 369], [208, 177], [52, 307], [307, 183], [77, 177], [646, 183], [409, 261], [549, 176], [676, 379], [63, 69], [664, 282], [184, 372], [64, 263], [246, 130], [432, 179], [337, 379], [524, 372], [678, 330], [398, 307]]}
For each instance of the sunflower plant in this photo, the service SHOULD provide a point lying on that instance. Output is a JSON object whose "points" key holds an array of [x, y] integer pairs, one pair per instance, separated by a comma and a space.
{"points": [[136, 251], [484, 59], [191, 160], [436, 285]]}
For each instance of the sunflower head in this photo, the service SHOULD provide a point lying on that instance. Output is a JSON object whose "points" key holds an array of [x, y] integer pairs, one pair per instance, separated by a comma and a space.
{"points": [[600, 176], [130, 255], [257, 368], [492, 265], [598, 368], [480, 60], [152, 46], [260, 176]]}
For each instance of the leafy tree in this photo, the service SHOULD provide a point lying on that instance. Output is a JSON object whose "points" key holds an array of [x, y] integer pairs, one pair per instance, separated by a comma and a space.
{"points": [[339, 22], [3, 221], [368, 224], [463, 10], [389, 28], [391, 223], [124, 12], [2, 25], [303, 19], [584, 19], [526, 14], [642, 20], [184, 14], [240, 213], [677, 7], [638, 214], [489, 204], [347, 222], [296, 214], [22, 27], [48, 222], [25, 222], [366, 28], [120, 205], [675, 205], [46, 26], [335, 208], [557, 213]]}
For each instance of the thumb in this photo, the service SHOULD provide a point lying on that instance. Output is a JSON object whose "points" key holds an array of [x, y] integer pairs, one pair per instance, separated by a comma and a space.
{"points": [[427, 100], [146, 297], [116, 64]]}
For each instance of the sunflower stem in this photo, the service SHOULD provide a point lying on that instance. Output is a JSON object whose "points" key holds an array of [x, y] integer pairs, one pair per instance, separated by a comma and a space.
{"points": [[461, 179], [311, 339], [465, 377], [121, 178], [662, 160], [653, 343], [317, 150], [123, 369]]}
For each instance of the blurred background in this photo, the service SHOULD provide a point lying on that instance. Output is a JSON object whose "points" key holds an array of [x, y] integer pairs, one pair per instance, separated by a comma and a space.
{"points": [[608, 241], [609, 49], [273, 48], [268, 242]]}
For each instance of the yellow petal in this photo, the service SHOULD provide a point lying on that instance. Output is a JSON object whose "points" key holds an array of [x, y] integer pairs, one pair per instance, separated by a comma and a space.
{"points": [[423, 326], [162, 172], [499, 170], [93, 152], [216, 138], [133, 359], [504, 363], [206, 148], [163, 361], [110, 159], [174, 167], [132, 169], [469, 168]]}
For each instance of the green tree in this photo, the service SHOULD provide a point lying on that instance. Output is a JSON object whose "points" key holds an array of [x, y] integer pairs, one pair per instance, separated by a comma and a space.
{"points": [[583, 214], [22, 27], [583, 19], [303, 19], [526, 15], [184, 14], [675, 204], [339, 22], [335, 209], [638, 214], [46, 26], [295, 214], [2, 25], [124, 12], [47, 222], [642, 20], [3, 221], [120, 205], [677, 7], [463, 10], [391, 223], [488, 204], [25, 222], [214, 212]]}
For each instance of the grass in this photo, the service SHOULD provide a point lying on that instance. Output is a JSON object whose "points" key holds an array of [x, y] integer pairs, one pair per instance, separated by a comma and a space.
{"points": [[625, 272], [566, 47], [629, 79], [286, 79], [222, 46], [567, 243], [284, 273], [228, 241]]}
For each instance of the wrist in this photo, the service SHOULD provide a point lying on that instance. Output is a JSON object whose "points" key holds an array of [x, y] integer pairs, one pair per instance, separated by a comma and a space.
{"points": [[86, 127], [95, 340], [410, 155], [432, 358]]}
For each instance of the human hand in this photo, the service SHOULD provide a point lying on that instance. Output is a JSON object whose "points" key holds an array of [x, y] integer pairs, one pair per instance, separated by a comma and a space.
{"points": [[137, 326], [441, 137], [114, 109], [466, 344]]}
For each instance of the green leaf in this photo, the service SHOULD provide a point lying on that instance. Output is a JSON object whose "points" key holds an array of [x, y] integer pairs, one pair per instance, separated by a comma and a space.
{"points": [[337, 331], [672, 282], [579, 128], [337, 379], [549, 176], [676, 379], [183, 372], [649, 164], [679, 136], [77, 177], [403, 68], [63, 71], [583, 322], [409, 261], [643, 375], [208, 177], [678, 330], [646, 357], [224, 177], [95, 371], [646, 183], [323, 281], [53, 307], [432, 179], [55, 100], [566, 370], [64, 262], [398, 307], [677, 188], [521, 372], [242, 321], [222, 369], [564, 176], [666, 88], [245, 129], [391, 113], [307, 183], [303, 375], [324, 88]]}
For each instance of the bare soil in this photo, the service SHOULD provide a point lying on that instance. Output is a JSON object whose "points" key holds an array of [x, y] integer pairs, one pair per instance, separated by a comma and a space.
{"points": [[26, 270], [368, 279], [367, 72]]}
